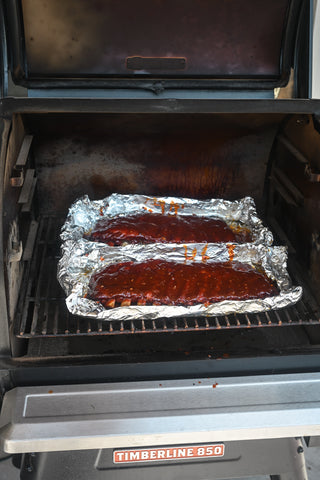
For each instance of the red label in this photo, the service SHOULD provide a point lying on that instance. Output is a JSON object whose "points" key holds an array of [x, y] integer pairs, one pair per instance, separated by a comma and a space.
{"points": [[168, 453]]}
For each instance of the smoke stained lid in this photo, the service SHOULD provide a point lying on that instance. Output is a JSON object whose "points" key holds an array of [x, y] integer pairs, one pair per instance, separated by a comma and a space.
{"points": [[224, 43]]}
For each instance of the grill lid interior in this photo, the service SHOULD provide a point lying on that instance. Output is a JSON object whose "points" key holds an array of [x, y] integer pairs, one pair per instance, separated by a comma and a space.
{"points": [[245, 41]]}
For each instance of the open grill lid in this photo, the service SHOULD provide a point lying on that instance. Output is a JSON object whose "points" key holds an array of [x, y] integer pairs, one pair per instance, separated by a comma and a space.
{"points": [[244, 44]]}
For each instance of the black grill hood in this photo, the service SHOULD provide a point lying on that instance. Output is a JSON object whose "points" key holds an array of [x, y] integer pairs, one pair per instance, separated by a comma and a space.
{"points": [[153, 44]]}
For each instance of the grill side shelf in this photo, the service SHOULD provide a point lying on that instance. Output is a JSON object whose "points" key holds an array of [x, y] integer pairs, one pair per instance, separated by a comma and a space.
{"points": [[116, 415]]}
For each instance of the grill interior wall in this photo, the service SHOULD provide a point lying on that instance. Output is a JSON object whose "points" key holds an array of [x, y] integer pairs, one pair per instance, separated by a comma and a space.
{"points": [[15, 228], [294, 198], [199, 156]]}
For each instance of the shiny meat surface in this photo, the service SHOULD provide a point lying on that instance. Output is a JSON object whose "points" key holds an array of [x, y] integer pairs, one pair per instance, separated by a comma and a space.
{"points": [[149, 228], [157, 282]]}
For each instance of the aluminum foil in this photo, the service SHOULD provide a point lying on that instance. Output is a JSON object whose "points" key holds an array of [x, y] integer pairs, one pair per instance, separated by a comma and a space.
{"points": [[83, 258], [84, 213]]}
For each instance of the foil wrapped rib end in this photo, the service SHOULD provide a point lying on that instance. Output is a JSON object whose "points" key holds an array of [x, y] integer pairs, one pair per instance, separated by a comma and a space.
{"points": [[76, 275], [90, 308], [84, 213]]}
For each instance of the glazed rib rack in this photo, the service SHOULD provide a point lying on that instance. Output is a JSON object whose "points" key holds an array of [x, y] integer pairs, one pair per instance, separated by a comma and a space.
{"points": [[43, 312]]}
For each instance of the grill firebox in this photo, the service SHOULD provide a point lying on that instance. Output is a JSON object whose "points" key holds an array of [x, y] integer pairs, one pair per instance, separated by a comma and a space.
{"points": [[202, 156], [43, 312]]}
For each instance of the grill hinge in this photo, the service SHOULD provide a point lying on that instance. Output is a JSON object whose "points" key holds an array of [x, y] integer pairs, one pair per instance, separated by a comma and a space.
{"points": [[17, 178]]}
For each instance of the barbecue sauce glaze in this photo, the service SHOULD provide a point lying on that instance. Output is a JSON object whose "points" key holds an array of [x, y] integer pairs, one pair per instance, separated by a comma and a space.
{"points": [[157, 282], [149, 228]]}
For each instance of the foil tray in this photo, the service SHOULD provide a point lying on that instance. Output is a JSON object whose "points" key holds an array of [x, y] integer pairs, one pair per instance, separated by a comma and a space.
{"points": [[81, 258], [84, 213]]}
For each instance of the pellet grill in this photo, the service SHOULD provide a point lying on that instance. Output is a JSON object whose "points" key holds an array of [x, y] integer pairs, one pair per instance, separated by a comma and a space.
{"points": [[203, 99]]}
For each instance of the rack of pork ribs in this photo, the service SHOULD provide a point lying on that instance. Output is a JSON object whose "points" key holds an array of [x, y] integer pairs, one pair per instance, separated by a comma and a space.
{"points": [[159, 282], [151, 228]]}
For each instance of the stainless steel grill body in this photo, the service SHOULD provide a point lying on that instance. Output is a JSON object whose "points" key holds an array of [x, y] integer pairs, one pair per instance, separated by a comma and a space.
{"points": [[69, 383]]}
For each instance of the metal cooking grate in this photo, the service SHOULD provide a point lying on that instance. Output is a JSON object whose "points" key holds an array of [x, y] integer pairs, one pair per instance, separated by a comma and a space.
{"points": [[42, 311]]}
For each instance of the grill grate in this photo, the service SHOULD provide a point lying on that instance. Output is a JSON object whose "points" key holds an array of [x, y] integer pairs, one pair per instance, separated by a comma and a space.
{"points": [[42, 311]]}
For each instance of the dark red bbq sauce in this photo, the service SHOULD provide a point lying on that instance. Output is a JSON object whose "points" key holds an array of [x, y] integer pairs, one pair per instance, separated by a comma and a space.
{"points": [[153, 227], [167, 283]]}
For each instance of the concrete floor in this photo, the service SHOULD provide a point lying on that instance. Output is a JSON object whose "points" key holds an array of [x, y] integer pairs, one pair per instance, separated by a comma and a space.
{"points": [[8, 472]]}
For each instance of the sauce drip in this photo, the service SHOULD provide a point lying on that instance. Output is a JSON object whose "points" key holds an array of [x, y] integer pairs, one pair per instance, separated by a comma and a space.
{"points": [[159, 203], [189, 257], [168, 283], [175, 207], [150, 228], [204, 257], [230, 248]]}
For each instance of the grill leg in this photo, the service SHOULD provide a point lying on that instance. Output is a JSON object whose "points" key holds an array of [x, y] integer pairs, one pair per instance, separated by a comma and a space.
{"points": [[297, 469]]}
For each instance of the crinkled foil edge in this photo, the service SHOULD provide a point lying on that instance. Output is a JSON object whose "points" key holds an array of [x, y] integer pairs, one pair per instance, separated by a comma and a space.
{"points": [[82, 258], [84, 213]]}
